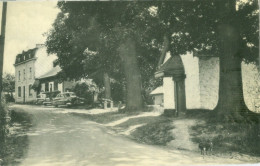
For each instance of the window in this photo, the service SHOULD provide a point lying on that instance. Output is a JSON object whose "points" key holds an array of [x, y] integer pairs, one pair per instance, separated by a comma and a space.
{"points": [[50, 87], [19, 75], [24, 74], [55, 85], [30, 70], [30, 90], [19, 91]]}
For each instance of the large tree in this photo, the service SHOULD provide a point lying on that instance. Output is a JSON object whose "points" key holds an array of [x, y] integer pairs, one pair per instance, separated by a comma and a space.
{"points": [[115, 32], [225, 28]]}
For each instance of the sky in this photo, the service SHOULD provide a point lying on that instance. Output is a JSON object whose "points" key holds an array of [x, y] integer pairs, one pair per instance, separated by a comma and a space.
{"points": [[25, 26]]}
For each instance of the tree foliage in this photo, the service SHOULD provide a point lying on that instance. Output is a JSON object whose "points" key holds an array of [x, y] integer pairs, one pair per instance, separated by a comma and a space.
{"points": [[193, 26], [8, 83], [86, 37], [85, 90]]}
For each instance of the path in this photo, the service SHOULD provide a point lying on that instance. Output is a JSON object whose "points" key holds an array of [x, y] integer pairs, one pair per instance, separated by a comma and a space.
{"points": [[181, 134]]}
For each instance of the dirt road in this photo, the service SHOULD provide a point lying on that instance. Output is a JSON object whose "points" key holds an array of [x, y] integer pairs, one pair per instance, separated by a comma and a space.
{"points": [[57, 137]]}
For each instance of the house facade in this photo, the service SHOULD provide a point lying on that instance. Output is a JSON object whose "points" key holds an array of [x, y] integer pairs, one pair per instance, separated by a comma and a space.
{"points": [[29, 65], [157, 95], [34, 67], [202, 83], [49, 82]]}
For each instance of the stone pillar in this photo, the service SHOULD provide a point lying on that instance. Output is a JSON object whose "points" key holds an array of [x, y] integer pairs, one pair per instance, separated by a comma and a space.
{"points": [[111, 105], [119, 105], [180, 97], [105, 104]]}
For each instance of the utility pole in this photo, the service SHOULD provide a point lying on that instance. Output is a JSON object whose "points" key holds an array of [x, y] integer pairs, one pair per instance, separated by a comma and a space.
{"points": [[2, 43], [2, 111], [259, 35]]}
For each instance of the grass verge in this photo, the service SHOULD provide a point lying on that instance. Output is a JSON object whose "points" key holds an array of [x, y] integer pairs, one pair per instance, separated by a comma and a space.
{"points": [[226, 137], [156, 131]]}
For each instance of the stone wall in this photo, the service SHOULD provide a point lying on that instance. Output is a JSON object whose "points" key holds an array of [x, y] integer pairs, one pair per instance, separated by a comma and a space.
{"points": [[251, 86], [209, 81], [192, 86]]}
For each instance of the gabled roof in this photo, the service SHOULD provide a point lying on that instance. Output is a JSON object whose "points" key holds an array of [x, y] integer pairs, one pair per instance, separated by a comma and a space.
{"points": [[171, 67], [157, 91], [51, 73]]}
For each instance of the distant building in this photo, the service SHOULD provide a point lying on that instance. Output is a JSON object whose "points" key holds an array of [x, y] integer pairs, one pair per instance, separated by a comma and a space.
{"points": [[157, 95], [34, 67], [49, 82]]}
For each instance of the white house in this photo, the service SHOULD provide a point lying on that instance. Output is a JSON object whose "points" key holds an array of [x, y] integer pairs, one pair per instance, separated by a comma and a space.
{"points": [[31, 67], [202, 80]]}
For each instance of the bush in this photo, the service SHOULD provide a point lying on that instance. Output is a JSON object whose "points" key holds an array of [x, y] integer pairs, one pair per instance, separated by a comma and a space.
{"points": [[8, 98], [85, 90]]}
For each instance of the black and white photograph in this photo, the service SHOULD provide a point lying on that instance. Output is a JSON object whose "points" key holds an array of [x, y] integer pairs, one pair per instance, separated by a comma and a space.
{"points": [[129, 82]]}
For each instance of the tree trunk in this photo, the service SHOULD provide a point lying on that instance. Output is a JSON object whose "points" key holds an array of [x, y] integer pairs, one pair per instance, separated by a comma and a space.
{"points": [[231, 105], [128, 55], [231, 101], [107, 86]]}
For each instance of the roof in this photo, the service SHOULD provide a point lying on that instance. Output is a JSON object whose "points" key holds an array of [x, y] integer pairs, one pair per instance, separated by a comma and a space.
{"points": [[158, 90], [172, 66], [25, 56], [51, 73]]}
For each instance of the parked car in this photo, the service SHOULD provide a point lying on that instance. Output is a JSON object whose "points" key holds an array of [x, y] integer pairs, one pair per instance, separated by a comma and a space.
{"points": [[68, 99], [43, 98]]}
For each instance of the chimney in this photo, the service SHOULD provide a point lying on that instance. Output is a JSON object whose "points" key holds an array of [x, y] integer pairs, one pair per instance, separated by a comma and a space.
{"points": [[39, 45]]}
